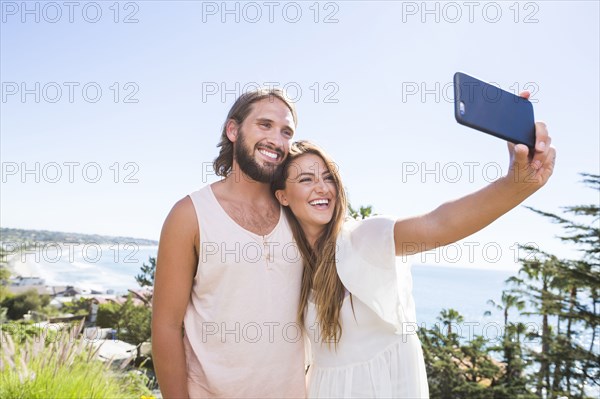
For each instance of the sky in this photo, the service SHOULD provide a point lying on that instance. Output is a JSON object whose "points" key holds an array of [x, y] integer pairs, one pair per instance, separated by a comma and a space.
{"points": [[111, 111]]}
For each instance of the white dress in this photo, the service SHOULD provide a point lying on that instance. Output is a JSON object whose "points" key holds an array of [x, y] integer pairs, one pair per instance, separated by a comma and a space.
{"points": [[379, 354]]}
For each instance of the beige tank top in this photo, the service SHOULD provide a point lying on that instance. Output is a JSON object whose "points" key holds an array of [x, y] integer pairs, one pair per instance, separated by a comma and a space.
{"points": [[241, 335]]}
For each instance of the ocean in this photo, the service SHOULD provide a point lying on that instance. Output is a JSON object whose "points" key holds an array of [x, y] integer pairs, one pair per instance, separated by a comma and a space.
{"points": [[465, 290], [102, 268], [113, 268]]}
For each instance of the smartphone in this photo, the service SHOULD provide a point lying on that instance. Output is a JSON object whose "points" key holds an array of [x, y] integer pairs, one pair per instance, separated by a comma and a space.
{"points": [[488, 108]]}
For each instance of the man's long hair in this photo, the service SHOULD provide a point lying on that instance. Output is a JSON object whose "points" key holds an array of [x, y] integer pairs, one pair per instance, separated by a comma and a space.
{"points": [[320, 271], [238, 113]]}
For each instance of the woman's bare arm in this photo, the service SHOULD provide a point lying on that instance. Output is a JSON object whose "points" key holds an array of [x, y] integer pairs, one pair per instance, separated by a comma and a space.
{"points": [[460, 218]]}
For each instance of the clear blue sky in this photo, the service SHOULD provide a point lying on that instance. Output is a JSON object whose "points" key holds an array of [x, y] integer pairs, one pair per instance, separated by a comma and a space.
{"points": [[372, 84]]}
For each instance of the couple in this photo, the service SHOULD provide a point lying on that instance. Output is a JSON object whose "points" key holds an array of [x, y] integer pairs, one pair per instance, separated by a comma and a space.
{"points": [[252, 266]]}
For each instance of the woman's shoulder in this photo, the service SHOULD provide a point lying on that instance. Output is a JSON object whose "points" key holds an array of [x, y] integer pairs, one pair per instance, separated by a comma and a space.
{"points": [[370, 240], [353, 228]]}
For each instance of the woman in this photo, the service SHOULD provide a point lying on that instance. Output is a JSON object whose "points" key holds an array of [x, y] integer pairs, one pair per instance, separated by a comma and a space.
{"points": [[362, 330]]}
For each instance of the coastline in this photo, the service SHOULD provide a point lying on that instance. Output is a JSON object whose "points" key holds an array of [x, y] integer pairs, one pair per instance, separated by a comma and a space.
{"points": [[94, 267], [21, 268]]}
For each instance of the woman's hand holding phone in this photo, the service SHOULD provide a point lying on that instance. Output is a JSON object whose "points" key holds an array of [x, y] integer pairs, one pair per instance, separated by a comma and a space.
{"points": [[532, 167]]}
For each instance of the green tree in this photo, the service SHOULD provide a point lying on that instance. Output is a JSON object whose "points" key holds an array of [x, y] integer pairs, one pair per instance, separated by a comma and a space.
{"points": [[513, 381], [146, 277], [508, 301], [460, 368], [29, 301], [362, 213], [77, 307], [450, 317], [4, 276], [536, 286], [580, 278], [108, 315], [4, 292], [440, 352], [513, 375], [134, 323], [564, 293], [131, 321]]}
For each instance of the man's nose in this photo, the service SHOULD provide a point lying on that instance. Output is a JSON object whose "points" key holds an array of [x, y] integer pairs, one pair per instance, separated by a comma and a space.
{"points": [[275, 138]]}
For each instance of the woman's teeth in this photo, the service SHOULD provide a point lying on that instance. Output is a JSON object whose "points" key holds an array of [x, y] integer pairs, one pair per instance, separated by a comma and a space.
{"points": [[319, 202]]}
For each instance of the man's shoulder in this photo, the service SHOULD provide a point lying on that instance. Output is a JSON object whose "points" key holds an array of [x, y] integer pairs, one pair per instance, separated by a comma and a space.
{"points": [[187, 209], [200, 191], [181, 225], [197, 198], [183, 209]]}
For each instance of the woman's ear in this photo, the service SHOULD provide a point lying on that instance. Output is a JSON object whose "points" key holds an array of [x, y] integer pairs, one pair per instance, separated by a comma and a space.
{"points": [[232, 130], [281, 197]]}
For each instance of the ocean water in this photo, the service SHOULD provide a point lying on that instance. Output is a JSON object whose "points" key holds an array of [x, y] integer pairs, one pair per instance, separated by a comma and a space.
{"points": [[94, 267], [466, 290], [111, 267]]}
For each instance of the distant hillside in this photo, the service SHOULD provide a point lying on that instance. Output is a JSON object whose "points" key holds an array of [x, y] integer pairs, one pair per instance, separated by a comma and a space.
{"points": [[20, 235]]}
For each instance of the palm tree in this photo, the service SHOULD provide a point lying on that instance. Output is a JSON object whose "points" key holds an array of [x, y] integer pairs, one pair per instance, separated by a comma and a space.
{"points": [[508, 301], [449, 317], [362, 213]]}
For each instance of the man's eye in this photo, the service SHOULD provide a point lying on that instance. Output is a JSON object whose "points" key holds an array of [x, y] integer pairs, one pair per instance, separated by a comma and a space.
{"points": [[266, 124]]}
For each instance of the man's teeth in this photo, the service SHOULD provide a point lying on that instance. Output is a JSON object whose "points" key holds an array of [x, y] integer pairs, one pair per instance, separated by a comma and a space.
{"points": [[319, 202], [270, 154]]}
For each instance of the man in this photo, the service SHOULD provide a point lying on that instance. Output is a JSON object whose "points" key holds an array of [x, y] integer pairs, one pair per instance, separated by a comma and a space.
{"points": [[223, 273]]}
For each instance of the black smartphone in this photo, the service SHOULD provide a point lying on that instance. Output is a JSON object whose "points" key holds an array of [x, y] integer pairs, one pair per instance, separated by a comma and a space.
{"points": [[488, 108]]}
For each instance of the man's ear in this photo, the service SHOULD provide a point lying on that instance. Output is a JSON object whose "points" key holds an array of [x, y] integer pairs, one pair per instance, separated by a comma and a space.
{"points": [[281, 197], [232, 129]]}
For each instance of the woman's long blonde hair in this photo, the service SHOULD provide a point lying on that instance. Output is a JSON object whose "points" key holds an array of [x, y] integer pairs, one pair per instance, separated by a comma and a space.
{"points": [[320, 272]]}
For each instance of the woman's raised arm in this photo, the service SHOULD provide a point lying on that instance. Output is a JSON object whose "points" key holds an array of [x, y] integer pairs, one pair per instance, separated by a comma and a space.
{"points": [[455, 220]]}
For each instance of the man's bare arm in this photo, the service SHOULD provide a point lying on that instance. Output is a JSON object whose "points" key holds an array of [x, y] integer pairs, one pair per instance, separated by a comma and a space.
{"points": [[175, 269]]}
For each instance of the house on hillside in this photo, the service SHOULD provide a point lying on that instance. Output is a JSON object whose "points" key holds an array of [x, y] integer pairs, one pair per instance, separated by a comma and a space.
{"points": [[20, 281]]}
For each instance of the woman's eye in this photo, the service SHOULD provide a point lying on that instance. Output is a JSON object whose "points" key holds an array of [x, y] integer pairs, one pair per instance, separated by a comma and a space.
{"points": [[305, 179], [329, 177], [266, 124]]}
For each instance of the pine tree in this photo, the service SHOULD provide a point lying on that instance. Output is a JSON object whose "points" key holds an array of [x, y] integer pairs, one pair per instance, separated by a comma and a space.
{"points": [[566, 291], [146, 278], [462, 369]]}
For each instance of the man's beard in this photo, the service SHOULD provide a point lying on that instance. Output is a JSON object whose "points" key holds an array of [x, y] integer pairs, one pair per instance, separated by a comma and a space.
{"points": [[249, 166]]}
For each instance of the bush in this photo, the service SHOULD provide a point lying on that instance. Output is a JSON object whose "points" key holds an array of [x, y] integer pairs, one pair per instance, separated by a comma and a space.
{"points": [[65, 368], [108, 315], [21, 304], [77, 307], [21, 331]]}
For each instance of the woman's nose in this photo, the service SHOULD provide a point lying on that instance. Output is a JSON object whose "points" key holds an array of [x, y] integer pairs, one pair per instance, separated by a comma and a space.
{"points": [[321, 186]]}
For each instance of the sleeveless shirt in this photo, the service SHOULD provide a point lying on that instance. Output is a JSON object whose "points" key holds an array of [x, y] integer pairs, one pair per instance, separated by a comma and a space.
{"points": [[241, 336]]}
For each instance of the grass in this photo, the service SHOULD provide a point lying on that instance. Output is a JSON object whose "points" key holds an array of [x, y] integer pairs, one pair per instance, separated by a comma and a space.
{"points": [[63, 367]]}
